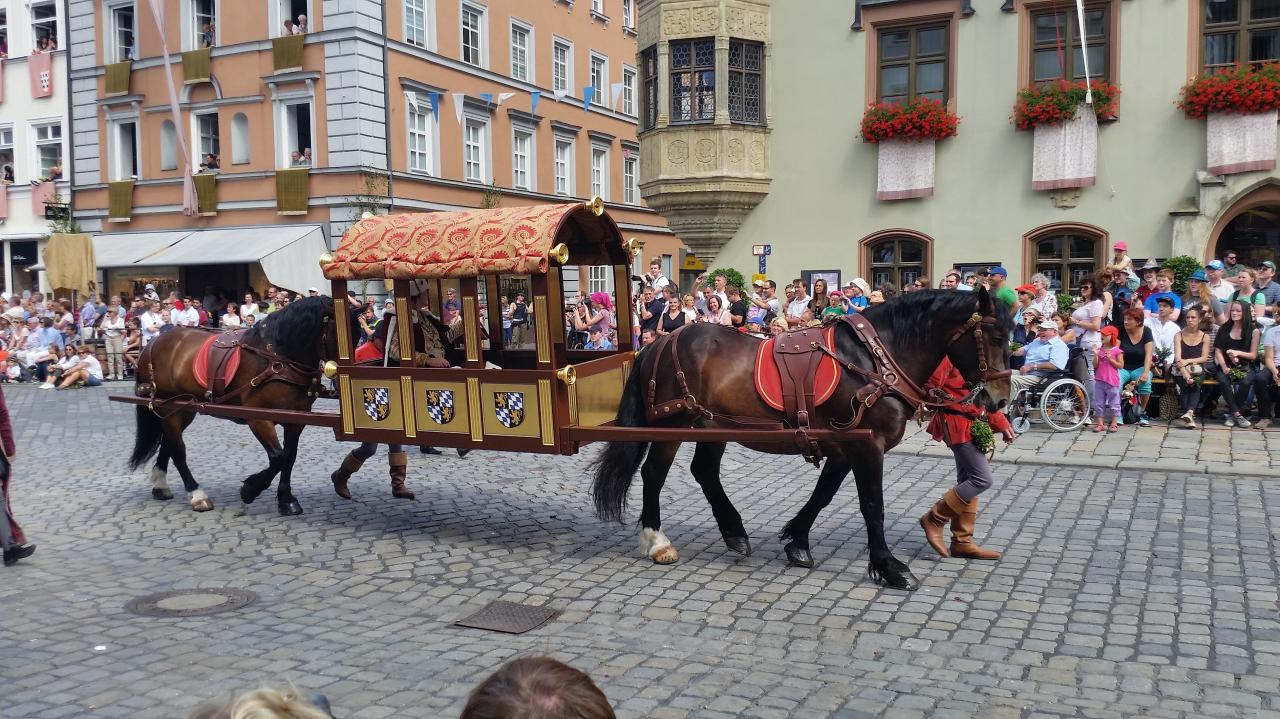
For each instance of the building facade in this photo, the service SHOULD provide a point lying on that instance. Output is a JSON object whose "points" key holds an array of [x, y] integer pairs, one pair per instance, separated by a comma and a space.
{"points": [[404, 106], [33, 134], [824, 61]]}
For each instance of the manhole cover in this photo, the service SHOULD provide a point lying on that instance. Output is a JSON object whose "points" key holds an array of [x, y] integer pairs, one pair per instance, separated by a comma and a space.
{"points": [[190, 602], [509, 617]]}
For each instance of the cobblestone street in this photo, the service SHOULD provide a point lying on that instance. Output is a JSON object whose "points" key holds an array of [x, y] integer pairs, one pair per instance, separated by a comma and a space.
{"points": [[1123, 591]]}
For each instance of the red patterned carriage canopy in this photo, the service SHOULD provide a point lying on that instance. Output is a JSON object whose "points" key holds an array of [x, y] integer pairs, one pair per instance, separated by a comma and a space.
{"points": [[450, 245]]}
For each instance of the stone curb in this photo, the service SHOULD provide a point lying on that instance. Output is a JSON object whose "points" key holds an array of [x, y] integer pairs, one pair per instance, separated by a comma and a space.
{"points": [[935, 451]]}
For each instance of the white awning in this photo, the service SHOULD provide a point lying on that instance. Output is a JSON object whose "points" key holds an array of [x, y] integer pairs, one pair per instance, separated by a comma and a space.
{"points": [[289, 254]]}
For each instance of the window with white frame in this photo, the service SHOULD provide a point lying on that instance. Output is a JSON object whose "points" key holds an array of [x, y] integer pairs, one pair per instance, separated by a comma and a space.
{"points": [[598, 278], [597, 6], [564, 166], [120, 29], [475, 150], [168, 146], [421, 124], [473, 35], [522, 158], [124, 149], [629, 91], [630, 170], [599, 79], [416, 19], [628, 14], [600, 172], [204, 23], [208, 141], [289, 17], [44, 25], [296, 125], [48, 146], [561, 65], [6, 153], [521, 47]]}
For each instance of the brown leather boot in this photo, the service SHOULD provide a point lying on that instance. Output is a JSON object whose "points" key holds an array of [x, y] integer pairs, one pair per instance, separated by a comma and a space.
{"points": [[399, 469], [934, 522], [962, 544], [350, 465]]}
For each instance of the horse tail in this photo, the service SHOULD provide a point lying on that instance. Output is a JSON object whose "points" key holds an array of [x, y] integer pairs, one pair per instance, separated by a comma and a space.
{"points": [[149, 434], [616, 466]]}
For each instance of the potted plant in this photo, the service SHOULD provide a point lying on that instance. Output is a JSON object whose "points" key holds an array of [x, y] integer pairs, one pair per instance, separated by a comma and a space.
{"points": [[1239, 106], [905, 134], [1065, 130]]}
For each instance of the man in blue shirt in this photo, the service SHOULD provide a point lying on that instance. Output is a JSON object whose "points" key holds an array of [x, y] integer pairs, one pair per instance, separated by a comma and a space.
{"points": [[51, 334], [598, 341], [1045, 354]]}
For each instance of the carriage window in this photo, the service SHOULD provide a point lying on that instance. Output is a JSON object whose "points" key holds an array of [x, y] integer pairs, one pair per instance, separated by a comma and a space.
{"points": [[517, 312], [1067, 258], [897, 260], [589, 295]]}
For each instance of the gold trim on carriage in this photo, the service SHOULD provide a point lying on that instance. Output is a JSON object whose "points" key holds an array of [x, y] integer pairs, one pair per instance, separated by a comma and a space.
{"points": [[516, 391]]}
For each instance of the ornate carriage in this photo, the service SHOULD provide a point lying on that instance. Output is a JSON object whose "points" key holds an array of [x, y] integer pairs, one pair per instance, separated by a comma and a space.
{"points": [[501, 394]]}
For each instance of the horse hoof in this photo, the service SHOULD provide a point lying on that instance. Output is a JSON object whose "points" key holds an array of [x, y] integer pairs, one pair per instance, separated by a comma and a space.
{"points": [[894, 577], [798, 556], [741, 545], [292, 508], [248, 494], [202, 505], [161, 494], [666, 555]]}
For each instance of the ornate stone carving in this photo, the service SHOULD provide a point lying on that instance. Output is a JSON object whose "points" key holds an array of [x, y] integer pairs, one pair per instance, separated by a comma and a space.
{"points": [[735, 21], [735, 151], [758, 26], [678, 152], [706, 152], [705, 19], [757, 153], [675, 22], [1065, 199]]}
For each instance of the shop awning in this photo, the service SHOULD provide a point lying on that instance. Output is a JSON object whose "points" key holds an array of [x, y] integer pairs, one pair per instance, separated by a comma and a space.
{"points": [[289, 254]]}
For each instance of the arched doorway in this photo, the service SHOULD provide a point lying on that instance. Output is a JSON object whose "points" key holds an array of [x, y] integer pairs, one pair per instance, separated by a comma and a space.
{"points": [[1253, 235]]}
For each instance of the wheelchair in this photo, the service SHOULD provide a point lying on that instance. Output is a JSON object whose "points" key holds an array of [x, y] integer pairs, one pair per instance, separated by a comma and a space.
{"points": [[1059, 399]]}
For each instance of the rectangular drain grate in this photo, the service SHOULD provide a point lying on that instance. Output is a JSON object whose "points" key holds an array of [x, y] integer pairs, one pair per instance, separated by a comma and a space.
{"points": [[508, 617]]}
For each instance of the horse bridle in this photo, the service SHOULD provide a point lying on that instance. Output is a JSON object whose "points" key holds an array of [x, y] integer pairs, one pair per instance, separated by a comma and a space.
{"points": [[975, 324]]}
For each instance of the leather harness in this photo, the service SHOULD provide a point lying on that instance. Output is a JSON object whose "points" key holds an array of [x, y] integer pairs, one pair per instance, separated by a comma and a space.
{"points": [[797, 354]]}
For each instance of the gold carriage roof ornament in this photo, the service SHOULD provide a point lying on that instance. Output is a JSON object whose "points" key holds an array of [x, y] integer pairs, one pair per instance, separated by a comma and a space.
{"points": [[596, 205]]}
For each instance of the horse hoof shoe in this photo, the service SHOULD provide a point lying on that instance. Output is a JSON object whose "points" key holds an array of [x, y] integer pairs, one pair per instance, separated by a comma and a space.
{"points": [[667, 555], [741, 545], [161, 494], [290, 509], [798, 557], [904, 581], [202, 505]]}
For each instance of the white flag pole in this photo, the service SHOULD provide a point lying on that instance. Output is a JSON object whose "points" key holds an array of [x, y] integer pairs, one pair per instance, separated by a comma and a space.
{"points": [[1084, 51]]}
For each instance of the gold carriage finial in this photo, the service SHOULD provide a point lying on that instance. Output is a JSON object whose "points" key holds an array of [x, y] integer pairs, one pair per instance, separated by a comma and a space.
{"points": [[559, 253], [366, 215], [567, 374], [330, 369], [596, 205], [633, 246], [326, 259]]}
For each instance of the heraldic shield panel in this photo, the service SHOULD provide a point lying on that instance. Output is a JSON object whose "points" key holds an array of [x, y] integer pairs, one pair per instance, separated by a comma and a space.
{"points": [[510, 410], [376, 405], [442, 407]]}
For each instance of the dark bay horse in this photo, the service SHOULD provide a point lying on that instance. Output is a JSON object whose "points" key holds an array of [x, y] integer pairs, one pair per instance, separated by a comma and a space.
{"points": [[917, 329], [280, 365]]}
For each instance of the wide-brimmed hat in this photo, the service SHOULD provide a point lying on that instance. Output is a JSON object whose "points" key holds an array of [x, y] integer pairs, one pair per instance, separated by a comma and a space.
{"points": [[862, 285], [1150, 265]]}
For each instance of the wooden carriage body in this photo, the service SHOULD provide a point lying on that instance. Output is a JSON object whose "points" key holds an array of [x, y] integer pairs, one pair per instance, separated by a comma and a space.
{"points": [[512, 398]]}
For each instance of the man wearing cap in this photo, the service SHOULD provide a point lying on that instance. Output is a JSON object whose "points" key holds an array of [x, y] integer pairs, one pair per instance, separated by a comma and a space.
{"points": [[1046, 353], [1217, 285], [765, 301], [1266, 282], [313, 292], [1163, 328], [1148, 287], [998, 279], [452, 306]]}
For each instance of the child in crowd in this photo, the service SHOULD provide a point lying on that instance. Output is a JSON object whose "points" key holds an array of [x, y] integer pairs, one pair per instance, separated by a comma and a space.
{"points": [[1106, 380], [838, 306], [1120, 258], [12, 372]]}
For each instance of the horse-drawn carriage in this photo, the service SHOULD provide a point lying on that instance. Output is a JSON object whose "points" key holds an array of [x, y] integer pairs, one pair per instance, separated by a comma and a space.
{"points": [[819, 392]]}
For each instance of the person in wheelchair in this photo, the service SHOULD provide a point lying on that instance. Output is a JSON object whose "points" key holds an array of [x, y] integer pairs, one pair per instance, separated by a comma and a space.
{"points": [[1042, 357]]}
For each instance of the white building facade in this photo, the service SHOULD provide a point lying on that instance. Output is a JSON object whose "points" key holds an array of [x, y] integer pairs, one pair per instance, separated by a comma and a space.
{"points": [[33, 132]]}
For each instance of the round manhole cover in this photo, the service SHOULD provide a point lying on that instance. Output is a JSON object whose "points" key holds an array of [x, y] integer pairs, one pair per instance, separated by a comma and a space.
{"points": [[190, 602]]}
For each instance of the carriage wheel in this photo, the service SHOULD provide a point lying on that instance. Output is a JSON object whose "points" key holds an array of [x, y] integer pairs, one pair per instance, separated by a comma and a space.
{"points": [[1064, 405]]}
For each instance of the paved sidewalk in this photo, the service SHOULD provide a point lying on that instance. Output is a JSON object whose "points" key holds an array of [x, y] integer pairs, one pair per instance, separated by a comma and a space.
{"points": [[1212, 450]]}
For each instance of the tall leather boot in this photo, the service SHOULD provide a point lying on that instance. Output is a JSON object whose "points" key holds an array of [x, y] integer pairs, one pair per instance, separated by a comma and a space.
{"points": [[962, 544], [350, 465], [934, 522], [399, 469]]}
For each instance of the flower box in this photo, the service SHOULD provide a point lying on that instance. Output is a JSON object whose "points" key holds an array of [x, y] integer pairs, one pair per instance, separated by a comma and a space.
{"points": [[1240, 143], [1066, 154], [904, 169]]}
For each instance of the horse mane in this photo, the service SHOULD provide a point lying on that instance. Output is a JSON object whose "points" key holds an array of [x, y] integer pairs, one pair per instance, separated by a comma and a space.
{"points": [[294, 330], [906, 316]]}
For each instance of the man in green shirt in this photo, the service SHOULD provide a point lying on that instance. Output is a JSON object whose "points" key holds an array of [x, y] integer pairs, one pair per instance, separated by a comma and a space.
{"points": [[998, 278]]}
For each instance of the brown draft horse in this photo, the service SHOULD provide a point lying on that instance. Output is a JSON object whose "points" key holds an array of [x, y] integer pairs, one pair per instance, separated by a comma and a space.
{"points": [[280, 365], [917, 329]]}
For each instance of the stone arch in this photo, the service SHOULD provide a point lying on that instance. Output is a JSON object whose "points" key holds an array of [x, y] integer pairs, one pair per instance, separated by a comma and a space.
{"points": [[1250, 203]]}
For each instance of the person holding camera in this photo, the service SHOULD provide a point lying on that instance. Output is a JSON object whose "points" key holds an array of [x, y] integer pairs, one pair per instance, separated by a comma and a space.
{"points": [[654, 279]]}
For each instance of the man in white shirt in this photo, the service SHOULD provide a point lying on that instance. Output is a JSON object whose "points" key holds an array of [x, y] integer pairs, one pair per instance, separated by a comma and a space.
{"points": [[184, 315], [654, 277], [1217, 285], [799, 305], [150, 322], [1164, 329]]}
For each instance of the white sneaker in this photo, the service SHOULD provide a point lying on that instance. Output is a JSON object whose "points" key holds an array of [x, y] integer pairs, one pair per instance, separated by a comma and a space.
{"points": [[47, 385], [1230, 421]]}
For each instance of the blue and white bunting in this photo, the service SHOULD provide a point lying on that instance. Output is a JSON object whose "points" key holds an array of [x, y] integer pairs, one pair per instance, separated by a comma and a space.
{"points": [[533, 101]]}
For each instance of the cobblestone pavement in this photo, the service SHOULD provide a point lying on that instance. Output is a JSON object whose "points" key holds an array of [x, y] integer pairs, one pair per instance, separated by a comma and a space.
{"points": [[1122, 593]]}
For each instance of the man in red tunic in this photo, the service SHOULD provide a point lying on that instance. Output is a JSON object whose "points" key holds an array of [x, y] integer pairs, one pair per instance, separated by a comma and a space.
{"points": [[951, 425], [15, 542]]}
